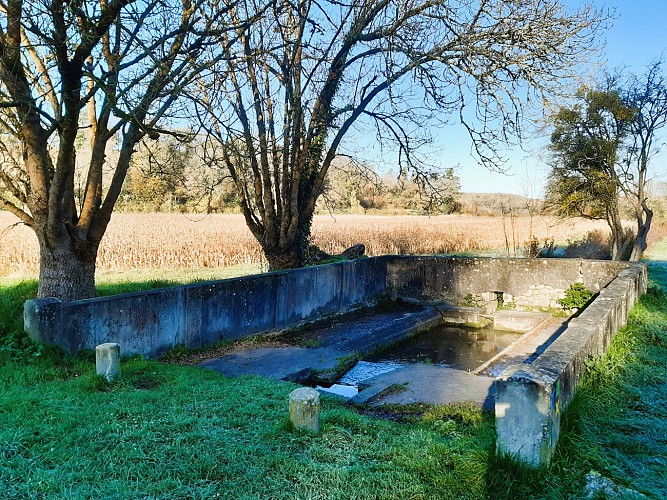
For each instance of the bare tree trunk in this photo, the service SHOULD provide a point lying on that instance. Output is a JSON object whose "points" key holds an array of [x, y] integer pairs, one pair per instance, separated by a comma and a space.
{"points": [[291, 257], [66, 270], [613, 217], [643, 227], [290, 251]]}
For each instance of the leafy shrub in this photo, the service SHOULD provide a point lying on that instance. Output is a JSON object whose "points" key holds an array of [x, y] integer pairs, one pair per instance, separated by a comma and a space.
{"points": [[598, 245], [531, 247], [548, 249], [576, 297], [18, 346], [471, 300]]}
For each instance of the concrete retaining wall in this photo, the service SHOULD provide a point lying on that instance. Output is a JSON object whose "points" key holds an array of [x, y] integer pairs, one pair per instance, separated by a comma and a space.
{"points": [[151, 322], [531, 398], [450, 279]]}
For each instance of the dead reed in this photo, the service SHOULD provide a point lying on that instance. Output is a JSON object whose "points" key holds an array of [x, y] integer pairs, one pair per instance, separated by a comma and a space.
{"points": [[145, 241]]}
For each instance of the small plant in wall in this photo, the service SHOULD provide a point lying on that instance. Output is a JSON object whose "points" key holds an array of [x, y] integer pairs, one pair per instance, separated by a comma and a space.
{"points": [[471, 300], [576, 297]]}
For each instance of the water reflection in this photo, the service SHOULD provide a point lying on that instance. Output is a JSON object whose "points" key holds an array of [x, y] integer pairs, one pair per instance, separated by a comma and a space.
{"points": [[452, 346]]}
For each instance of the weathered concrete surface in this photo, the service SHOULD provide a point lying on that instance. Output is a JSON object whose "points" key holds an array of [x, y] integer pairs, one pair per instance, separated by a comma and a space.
{"points": [[368, 329], [469, 316], [151, 322], [107, 361], [336, 344], [526, 349], [450, 279], [428, 384], [304, 409], [287, 363], [42, 322], [518, 321], [530, 399]]}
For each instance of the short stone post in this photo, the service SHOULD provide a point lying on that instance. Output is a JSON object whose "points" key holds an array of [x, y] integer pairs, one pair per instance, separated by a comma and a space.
{"points": [[304, 409], [107, 361]]}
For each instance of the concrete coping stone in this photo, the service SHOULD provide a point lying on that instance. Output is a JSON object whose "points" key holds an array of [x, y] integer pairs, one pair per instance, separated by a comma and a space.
{"points": [[544, 388]]}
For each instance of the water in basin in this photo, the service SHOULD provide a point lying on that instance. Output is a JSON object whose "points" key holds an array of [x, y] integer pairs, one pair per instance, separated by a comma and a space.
{"points": [[453, 346]]}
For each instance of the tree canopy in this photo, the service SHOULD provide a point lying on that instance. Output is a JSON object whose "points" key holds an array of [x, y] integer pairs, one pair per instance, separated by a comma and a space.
{"points": [[602, 147], [305, 75], [586, 143], [276, 85], [85, 75]]}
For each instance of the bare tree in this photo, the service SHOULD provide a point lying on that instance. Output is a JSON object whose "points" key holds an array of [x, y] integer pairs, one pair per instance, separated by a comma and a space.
{"points": [[603, 146], [113, 69], [587, 144], [647, 95], [312, 71]]}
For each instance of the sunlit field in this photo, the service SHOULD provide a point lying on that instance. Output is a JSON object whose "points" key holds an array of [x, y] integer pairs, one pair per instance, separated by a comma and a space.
{"points": [[151, 241]]}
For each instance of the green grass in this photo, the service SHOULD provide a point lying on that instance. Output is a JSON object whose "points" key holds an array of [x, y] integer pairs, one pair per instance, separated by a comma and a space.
{"points": [[657, 251], [169, 431], [176, 432]]}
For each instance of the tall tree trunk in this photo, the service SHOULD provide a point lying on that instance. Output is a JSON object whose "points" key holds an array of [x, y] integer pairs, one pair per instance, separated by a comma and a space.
{"points": [[285, 258], [617, 233], [67, 268], [643, 226], [291, 251]]}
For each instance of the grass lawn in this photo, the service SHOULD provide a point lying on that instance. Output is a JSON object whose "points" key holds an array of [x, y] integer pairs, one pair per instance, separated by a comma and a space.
{"points": [[168, 431]]}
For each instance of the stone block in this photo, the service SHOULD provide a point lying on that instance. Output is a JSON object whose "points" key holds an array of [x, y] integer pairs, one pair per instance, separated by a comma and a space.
{"points": [[107, 361], [527, 416], [42, 320], [304, 409]]}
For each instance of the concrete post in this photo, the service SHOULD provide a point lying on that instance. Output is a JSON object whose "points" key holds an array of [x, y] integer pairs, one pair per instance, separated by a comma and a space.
{"points": [[527, 416], [304, 409], [107, 361], [42, 321]]}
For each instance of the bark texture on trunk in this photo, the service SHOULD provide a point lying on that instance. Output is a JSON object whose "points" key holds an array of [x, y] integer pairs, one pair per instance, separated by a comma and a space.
{"points": [[643, 227], [285, 258], [66, 272], [617, 232]]}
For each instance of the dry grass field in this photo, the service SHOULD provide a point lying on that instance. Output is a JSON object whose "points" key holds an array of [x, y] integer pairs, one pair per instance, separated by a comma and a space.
{"points": [[168, 241]]}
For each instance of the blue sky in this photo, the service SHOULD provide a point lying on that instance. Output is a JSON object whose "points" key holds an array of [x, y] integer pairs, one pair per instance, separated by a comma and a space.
{"points": [[638, 36]]}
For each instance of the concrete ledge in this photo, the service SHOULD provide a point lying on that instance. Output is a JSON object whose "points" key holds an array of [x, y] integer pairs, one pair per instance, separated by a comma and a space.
{"points": [[530, 399], [149, 323]]}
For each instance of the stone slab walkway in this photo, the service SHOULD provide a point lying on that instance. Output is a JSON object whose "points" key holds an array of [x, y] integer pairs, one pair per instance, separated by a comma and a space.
{"points": [[526, 349], [278, 363], [346, 336], [427, 384]]}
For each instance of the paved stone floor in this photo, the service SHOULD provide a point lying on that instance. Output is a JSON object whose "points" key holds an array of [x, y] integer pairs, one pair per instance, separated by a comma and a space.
{"points": [[331, 342]]}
